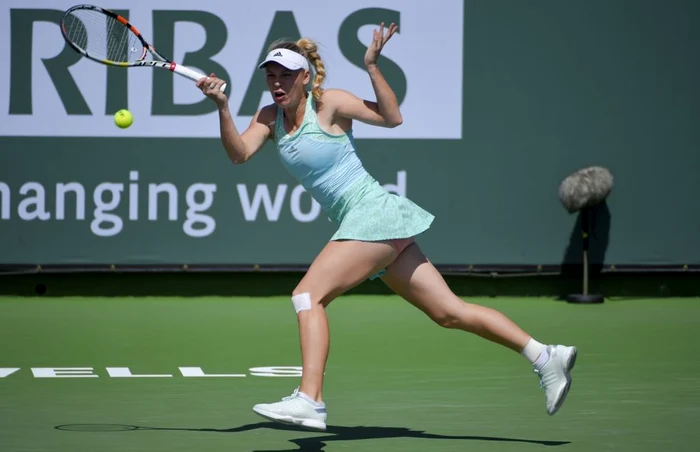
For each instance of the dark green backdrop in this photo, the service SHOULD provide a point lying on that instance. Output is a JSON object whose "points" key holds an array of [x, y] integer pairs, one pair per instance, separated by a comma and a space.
{"points": [[549, 87]]}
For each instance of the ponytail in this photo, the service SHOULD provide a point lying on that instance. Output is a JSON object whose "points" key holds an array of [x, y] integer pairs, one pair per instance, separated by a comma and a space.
{"points": [[310, 50]]}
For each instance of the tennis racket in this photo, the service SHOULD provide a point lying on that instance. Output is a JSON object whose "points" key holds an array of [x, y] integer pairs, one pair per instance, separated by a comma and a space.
{"points": [[108, 38]]}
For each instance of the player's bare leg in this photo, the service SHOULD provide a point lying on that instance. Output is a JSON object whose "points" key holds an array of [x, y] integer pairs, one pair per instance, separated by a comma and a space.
{"points": [[414, 277], [340, 266]]}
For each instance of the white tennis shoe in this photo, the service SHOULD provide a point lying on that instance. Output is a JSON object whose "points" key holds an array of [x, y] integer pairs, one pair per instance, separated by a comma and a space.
{"points": [[555, 375], [296, 409]]}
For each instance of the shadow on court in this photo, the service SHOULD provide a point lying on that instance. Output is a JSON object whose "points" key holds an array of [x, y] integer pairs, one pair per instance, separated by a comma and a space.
{"points": [[315, 443]]}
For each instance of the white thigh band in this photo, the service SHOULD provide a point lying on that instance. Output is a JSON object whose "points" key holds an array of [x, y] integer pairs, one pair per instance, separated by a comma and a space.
{"points": [[302, 302]]}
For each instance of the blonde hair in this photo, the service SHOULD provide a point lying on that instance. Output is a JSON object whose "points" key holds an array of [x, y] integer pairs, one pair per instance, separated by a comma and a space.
{"points": [[307, 48]]}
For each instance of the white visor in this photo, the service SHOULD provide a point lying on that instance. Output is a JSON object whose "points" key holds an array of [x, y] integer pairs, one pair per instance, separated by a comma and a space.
{"points": [[287, 58]]}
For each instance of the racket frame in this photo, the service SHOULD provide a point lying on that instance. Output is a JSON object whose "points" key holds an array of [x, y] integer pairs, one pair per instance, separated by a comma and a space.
{"points": [[165, 63]]}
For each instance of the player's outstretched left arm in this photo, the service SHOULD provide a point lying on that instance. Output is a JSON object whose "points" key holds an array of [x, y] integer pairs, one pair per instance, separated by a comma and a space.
{"points": [[385, 111]]}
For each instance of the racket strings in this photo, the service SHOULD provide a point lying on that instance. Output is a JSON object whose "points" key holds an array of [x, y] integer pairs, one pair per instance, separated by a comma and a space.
{"points": [[103, 36]]}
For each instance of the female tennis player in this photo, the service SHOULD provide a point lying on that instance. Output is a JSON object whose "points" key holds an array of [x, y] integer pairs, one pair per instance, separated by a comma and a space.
{"points": [[312, 130]]}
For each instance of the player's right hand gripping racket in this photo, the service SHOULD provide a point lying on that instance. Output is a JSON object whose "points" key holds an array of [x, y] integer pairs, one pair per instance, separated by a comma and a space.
{"points": [[108, 38]]}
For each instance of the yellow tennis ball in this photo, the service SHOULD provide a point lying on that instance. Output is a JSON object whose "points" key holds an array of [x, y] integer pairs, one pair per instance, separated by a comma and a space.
{"points": [[123, 118]]}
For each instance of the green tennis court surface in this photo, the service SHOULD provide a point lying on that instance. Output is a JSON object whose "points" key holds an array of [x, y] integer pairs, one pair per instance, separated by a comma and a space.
{"points": [[395, 381]]}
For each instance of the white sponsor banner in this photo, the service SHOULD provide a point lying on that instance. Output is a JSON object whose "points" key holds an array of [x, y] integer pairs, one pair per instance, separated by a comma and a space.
{"points": [[427, 49]]}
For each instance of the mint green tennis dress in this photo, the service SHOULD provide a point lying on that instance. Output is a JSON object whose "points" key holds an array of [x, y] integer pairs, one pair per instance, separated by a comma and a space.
{"points": [[327, 166]]}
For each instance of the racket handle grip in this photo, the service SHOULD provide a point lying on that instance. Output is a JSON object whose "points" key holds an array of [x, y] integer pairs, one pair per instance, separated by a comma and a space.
{"points": [[190, 73]]}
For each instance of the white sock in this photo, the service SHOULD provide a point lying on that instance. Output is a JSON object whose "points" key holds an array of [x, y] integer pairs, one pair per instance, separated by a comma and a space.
{"points": [[535, 352]]}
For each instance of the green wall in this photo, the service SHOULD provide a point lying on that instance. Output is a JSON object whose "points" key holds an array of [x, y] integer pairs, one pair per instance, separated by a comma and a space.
{"points": [[549, 87]]}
